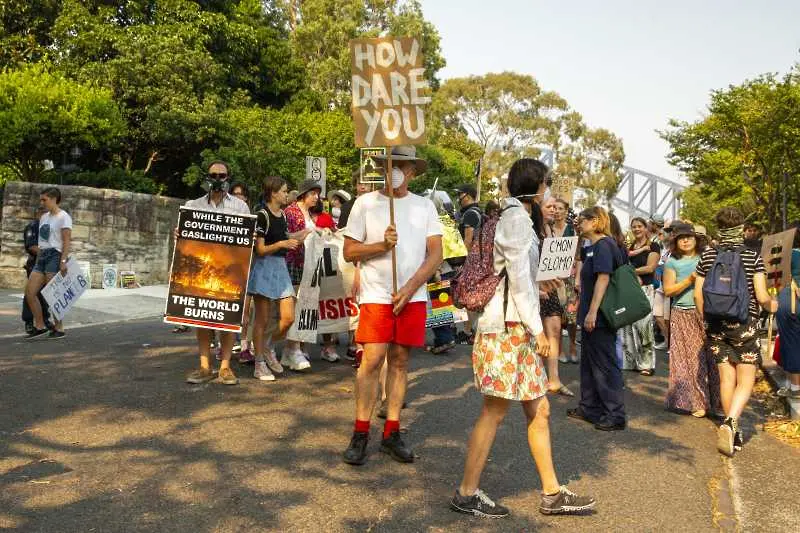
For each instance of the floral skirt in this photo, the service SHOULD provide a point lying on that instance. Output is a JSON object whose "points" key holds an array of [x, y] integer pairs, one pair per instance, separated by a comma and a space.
{"points": [[506, 365]]}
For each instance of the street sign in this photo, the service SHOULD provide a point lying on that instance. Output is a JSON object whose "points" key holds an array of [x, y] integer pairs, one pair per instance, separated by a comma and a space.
{"points": [[316, 169], [372, 171]]}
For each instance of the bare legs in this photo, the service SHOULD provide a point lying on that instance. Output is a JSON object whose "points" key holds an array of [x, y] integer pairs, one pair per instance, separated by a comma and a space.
{"points": [[736, 385], [204, 338], [369, 376], [552, 329], [35, 282], [263, 314]]}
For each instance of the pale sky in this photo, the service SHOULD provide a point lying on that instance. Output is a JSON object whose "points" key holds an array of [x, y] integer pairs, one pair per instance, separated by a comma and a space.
{"points": [[625, 65]]}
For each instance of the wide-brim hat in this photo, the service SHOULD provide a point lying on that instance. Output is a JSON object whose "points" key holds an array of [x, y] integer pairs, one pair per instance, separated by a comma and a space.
{"points": [[683, 230], [308, 185], [344, 195], [405, 153]]}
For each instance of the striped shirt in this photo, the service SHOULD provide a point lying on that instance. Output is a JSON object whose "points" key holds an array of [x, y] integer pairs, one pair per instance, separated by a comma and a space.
{"points": [[229, 204], [753, 264]]}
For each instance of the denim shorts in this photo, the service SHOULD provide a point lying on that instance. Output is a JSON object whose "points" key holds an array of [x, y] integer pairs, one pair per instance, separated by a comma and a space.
{"points": [[48, 261]]}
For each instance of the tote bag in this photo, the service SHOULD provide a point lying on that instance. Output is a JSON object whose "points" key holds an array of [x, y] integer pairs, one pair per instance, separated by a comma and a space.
{"points": [[624, 301]]}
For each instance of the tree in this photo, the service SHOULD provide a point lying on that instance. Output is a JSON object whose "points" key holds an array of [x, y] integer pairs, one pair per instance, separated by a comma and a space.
{"points": [[44, 115], [25, 30], [745, 152]]}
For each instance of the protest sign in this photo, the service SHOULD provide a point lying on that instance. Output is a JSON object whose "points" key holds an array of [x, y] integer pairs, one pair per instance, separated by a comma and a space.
{"points": [[557, 258], [562, 188], [306, 309], [210, 268], [389, 91], [776, 250], [441, 309], [61, 292], [316, 170], [372, 171]]}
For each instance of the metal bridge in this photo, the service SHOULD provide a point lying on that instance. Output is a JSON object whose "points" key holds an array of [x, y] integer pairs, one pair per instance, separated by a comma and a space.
{"points": [[640, 193]]}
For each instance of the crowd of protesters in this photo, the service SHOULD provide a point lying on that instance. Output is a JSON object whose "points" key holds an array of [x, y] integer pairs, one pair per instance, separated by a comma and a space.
{"points": [[517, 335]]}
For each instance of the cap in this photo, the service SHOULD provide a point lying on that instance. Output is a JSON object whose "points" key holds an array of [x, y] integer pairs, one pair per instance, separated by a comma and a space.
{"points": [[466, 188]]}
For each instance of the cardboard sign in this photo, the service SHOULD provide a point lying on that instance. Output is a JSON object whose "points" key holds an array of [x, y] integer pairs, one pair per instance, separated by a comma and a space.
{"points": [[316, 169], [776, 251], [109, 276], [562, 188], [61, 292], [372, 171], [557, 258], [338, 309], [210, 268], [389, 91]]}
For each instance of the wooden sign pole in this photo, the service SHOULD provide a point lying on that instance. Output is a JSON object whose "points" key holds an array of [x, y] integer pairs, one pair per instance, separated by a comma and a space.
{"points": [[390, 191]]}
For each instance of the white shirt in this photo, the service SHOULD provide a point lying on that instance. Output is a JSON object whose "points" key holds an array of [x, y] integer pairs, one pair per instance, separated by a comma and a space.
{"points": [[415, 219], [50, 227], [229, 204], [516, 248]]}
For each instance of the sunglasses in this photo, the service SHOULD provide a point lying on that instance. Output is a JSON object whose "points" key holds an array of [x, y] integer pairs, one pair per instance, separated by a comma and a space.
{"points": [[217, 175]]}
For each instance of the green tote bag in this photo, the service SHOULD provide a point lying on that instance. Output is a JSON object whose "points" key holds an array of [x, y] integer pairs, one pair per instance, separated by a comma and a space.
{"points": [[624, 302]]}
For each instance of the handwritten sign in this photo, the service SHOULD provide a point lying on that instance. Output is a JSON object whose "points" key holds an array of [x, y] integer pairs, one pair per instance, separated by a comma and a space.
{"points": [[62, 292], [776, 250], [389, 91], [562, 188], [558, 256]]}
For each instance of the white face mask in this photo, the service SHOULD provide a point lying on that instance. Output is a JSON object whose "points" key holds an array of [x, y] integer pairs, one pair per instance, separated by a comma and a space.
{"points": [[336, 212], [397, 177]]}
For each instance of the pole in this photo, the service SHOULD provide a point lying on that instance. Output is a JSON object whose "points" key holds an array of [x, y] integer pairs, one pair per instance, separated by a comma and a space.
{"points": [[390, 190], [769, 342], [480, 173]]}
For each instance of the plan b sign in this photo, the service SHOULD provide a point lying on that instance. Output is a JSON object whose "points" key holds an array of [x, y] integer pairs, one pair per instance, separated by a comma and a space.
{"points": [[389, 91], [558, 256]]}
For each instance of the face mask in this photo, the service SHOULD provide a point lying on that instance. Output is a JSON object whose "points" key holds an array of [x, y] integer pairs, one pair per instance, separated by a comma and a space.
{"points": [[216, 185], [397, 177], [336, 212]]}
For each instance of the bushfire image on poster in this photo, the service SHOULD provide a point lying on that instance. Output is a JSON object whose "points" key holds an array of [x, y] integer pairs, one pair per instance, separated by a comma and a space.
{"points": [[210, 268]]}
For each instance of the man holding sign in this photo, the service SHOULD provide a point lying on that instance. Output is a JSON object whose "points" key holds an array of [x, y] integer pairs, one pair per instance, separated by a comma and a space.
{"points": [[391, 321]]}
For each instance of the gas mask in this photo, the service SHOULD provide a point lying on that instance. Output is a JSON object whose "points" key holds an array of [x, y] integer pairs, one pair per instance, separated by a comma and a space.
{"points": [[217, 182], [397, 177]]}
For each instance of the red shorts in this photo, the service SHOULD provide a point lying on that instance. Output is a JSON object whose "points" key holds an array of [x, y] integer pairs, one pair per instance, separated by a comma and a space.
{"points": [[377, 324]]}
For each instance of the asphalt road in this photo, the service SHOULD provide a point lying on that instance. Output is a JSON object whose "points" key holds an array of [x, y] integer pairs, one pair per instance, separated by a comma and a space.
{"points": [[98, 432]]}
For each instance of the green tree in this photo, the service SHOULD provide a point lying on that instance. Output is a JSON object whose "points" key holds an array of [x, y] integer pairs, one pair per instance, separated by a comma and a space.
{"points": [[25, 30], [44, 115], [745, 152]]}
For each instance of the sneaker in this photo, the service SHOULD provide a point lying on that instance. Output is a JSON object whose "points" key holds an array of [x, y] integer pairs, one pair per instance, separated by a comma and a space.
{"points": [[36, 333], [359, 356], [397, 449], [227, 377], [565, 502], [479, 504], [356, 452], [661, 345], [200, 375], [329, 354], [237, 347], [725, 437], [29, 328], [272, 361], [738, 440], [246, 356], [55, 334], [295, 361], [563, 359], [262, 373], [350, 354]]}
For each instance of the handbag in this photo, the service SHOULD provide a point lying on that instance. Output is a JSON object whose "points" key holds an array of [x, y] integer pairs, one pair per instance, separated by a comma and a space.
{"points": [[624, 302]]}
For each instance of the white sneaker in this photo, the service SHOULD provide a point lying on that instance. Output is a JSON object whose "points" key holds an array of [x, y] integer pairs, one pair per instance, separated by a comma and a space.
{"points": [[329, 354], [661, 346], [272, 361], [262, 373], [295, 361]]}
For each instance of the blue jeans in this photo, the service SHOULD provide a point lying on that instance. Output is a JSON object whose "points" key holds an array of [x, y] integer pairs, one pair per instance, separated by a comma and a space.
{"points": [[443, 335]]}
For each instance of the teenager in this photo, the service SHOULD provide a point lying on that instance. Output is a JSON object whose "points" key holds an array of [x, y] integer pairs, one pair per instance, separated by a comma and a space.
{"points": [[693, 374], [638, 340], [270, 283], [55, 238], [601, 402], [734, 344], [391, 322], [508, 351]]}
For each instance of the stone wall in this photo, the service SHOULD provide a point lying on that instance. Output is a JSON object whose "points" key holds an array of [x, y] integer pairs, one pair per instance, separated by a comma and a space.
{"points": [[129, 229]]}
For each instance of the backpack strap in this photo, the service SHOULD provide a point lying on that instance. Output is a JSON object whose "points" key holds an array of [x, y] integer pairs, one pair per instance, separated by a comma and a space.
{"points": [[266, 217]]}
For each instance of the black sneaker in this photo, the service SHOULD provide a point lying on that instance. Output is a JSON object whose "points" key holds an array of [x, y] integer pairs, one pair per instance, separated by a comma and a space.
{"points": [[738, 440], [56, 335], [29, 328], [37, 333], [565, 502], [356, 453], [479, 504], [397, 449]]}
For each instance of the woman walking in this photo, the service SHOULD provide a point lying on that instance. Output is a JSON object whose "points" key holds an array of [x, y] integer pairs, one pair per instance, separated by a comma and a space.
{"points": [[638, 338], [602, 402], [508, 349], [269, 282], [693, 373], [788, 319]]}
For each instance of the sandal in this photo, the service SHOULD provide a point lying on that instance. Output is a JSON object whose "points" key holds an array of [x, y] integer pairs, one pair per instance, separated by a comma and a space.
{"points": [[562, 390], [647, 372], [438, 350]]}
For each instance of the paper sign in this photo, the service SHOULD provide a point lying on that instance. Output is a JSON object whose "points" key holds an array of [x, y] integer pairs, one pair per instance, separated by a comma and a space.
{"points": [[776, 251], [557, 258], [109, 276], [61, 292], [441, 309], [562, 188], [316, 169], [389, 91], [372, 170], [210, 269]]}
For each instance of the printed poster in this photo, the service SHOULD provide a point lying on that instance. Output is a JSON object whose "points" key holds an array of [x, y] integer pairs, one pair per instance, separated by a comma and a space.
{"points": [[61, 292]]}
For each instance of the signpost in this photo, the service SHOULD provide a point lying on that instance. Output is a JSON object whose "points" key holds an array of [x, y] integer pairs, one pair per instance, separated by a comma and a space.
{"points": [[316, 169], [389, 94]]}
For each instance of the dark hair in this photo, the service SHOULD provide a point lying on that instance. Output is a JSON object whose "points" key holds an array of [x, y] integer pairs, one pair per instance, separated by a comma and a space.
{"points": [[220, 162], [317, 208], [616, 230], [728, 217], [242, 185], [52, 192], [272, 184], [751, 225], [640, 220], [524, 180], [564, 203], [700, 245], [492, 208]]}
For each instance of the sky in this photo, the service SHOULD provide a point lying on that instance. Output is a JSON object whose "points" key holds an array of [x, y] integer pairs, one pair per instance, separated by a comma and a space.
{"points": [[628, 66]]}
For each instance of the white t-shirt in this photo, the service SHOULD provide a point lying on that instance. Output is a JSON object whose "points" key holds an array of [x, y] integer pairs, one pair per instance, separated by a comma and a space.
{"points": [[416, 220], [50, 227]]}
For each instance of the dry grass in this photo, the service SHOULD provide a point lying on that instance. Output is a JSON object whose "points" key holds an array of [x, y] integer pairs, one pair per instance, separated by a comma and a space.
{"points": [[778, 423]]}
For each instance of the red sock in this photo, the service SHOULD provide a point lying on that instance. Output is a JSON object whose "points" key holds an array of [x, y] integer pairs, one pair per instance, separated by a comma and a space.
{"points": [[362, 426], [389, 426]]}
